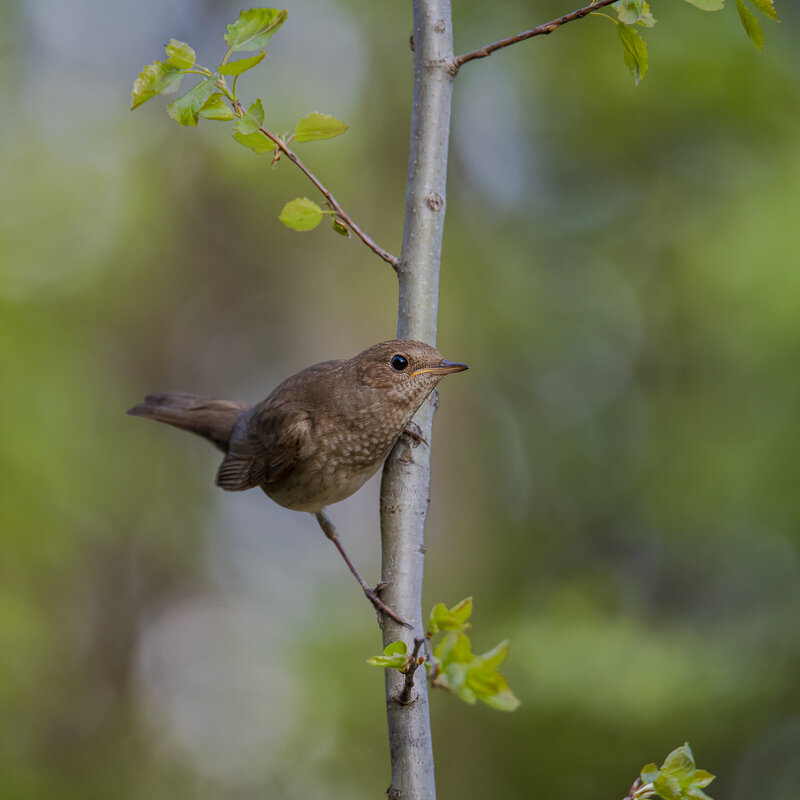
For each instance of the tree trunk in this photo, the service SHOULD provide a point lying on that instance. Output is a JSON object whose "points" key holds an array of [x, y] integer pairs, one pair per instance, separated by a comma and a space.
{"points": [[405, 489]]}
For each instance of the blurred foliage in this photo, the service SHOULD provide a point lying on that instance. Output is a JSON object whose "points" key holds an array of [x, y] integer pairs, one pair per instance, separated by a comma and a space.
{"points": [[615, 481]]}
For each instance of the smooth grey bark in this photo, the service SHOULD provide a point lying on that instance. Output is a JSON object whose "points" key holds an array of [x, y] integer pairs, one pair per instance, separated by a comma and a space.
{"points": [[405, 488]]}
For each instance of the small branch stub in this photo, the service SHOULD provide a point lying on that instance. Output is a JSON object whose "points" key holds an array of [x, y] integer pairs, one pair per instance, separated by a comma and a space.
{"points": [[434, 201], [414, 661]]}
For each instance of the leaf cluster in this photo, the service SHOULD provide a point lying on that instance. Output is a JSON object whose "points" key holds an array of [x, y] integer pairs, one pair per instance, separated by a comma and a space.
{"points": [[631, 13], [452, 664], [214, 99], [676, 779]]}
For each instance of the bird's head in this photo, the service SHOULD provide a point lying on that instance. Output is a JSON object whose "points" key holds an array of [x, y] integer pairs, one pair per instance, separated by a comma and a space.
{"points": [[404, 368]]}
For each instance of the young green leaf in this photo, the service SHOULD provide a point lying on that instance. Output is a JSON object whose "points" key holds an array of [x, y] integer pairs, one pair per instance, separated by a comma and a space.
{"points": [[319, 126], [679, 779], [186, 109], [630, 11], [160, 77], [647, 20], [455, 678], [252, 120], [750, 24], [486, 682], [491, 688], [667, 788], [443, 618], [216, 108], [254, 28], [301, 214], [394, 656], [701, 778], [493, 658], [679, 764], [708, 5], [455, 648], [634, 51], [180, 55], [649, 773], [766, 7], [341, 229], [242, 65], [257, 142]]}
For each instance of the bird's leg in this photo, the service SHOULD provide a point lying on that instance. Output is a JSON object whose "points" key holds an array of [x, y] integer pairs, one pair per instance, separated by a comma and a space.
{"points": [[372, 594]]}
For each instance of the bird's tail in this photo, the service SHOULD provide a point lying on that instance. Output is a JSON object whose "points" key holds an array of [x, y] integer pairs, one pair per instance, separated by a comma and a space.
{"points": [[206, 416]]}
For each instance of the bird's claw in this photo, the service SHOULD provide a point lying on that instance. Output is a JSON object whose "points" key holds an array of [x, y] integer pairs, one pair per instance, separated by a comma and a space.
{"points": [[415, 432], [381, 608]]}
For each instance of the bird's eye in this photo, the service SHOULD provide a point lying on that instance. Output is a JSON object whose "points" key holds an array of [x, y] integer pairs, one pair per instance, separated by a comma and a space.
{"points": [[399, 363]]}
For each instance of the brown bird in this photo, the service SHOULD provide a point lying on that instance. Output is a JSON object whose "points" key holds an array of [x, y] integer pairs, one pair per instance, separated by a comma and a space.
{"points": [[320, 435]]}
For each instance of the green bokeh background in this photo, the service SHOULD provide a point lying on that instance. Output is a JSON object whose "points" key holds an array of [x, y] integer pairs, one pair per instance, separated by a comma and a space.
{"points": [[615, 481]]}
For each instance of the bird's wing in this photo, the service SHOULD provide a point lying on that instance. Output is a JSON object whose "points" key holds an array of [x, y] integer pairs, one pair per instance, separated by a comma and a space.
{"points": [[264, 447]]}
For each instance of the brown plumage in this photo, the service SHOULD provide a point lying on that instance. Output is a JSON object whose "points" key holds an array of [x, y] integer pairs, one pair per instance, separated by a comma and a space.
{"points": [[321, 434]]}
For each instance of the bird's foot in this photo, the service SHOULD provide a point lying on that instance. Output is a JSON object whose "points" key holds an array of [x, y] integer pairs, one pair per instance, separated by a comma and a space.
{"points": [[415, 432], [380, 607]]}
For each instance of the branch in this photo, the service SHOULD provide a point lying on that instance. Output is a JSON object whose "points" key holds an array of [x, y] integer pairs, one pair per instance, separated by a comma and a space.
{"points": [[333, 203], [541, 30], [405, 488], [414, 661]]}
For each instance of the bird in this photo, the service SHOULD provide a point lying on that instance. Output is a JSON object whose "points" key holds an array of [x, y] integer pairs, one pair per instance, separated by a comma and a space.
{"points": [[320, 435]]}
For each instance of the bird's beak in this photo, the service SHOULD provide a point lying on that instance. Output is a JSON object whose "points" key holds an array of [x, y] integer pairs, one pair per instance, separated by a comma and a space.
{"points": [[444, 367]]}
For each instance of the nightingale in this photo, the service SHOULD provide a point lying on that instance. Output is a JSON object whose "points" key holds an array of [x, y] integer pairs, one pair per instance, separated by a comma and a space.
{"points": [[320, 435]]}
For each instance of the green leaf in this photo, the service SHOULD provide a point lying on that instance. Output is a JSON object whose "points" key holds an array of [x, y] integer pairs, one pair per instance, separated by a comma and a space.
{"points": [[634, 51], [766, 7], [242, 65], [252, 120], [493, 658], [180, 55], [649, 773], [257, 142], [667, 788], [342, 230], [216, 108], [454, 648], [750, 24], [395, 655], [679, 764], [455, 679], [160, 77], [443, 618], [708, 5], [678, 778], [647, 20], [254, 28], [504, 700], [695, 793], [701, 778], [301, 214], [319, 126], [186, 109], [629, 11], [487, 683]]}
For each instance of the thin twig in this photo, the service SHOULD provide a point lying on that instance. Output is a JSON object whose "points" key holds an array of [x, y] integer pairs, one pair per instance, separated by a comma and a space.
{"points": [[328, 195], [541, 30], [413, 662]]}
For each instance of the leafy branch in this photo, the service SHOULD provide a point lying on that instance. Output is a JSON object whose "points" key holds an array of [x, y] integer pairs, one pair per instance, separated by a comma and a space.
{"points": [[677, 779], [629, 13], [452, 665], [214, 99]]}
